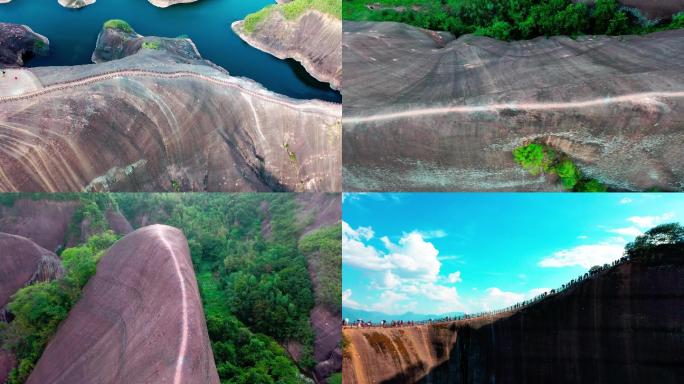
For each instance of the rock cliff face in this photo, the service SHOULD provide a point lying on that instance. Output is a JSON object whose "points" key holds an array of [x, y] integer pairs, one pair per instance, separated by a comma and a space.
{"points": [[75, 3], [161, 119], [425, 112], [139, 320], [621, 326], [17, 42], [23, 263], [661, 9], [168, 3], [44, 222], [313, 39]]}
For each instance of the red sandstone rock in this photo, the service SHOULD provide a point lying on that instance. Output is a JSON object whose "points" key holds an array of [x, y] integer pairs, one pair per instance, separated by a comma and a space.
{"points": [[139, 320]]}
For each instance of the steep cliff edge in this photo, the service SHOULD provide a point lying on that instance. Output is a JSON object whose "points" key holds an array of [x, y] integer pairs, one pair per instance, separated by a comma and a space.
{"points": [[139, 319], [313, 37], [623, 325], [23, 262], [18, 42], [155, 117], [423, 111]]}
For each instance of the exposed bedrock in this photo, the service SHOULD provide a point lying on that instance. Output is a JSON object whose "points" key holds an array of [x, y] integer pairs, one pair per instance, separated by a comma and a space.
{"points": [[75, 3], [324, 208], [161, 119], [425, 112], [168, 3], [23, 263], [17, 43], [48, 222], [658, 9], [621, 326], [139, 319], [313, 39]]}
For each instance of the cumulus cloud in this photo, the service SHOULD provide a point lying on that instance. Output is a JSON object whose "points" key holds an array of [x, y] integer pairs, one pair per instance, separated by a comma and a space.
{"points": [[650, 221], [348, 302], [454, 277], [586, 256], [358, 254], [413, 257], [625, 200], [496, 298], [434, 234]]}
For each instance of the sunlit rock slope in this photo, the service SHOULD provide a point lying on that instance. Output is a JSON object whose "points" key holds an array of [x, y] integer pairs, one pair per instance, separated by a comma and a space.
{"points": [[423, 111]]}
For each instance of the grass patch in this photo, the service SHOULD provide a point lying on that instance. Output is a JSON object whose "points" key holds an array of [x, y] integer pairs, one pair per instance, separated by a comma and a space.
{"points": [[537, 158], [293, 10], [155, 44], [119, 25], [335, 379], [511, 20]]}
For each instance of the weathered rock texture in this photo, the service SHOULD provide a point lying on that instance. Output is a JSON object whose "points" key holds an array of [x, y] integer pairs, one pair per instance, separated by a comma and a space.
{"points": [[653, 9], [75, 3], [139, 320], [44, 222], [313, 39], [323, 210], [621, 326], [168, 3], [17, 42], [22, 263], [161, 120], [425, 112]]}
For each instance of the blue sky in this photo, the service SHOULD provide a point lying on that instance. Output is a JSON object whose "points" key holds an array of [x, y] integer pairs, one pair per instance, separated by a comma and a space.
{"points": [[443, 252]]}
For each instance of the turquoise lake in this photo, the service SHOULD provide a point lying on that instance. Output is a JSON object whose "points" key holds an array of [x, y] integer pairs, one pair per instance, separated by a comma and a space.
{"points": [[73, 33]]}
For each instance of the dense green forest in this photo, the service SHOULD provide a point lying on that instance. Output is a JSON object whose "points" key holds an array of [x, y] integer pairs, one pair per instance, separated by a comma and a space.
{"points": [[254, 283], [510, 19]]}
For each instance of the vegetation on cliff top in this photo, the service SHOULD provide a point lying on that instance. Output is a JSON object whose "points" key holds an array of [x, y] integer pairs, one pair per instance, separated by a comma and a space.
{"points": [[293, 10], [537, 158], [118, 24], [511, 19]]}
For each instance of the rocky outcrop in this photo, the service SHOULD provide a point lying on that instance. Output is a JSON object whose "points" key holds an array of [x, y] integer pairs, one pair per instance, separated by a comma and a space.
{"points": [[620, 326], [160, 119], [75, 3], [662, 9], [7, 361], [17, 43], [321, 209], [313, 39], [139, 319], [23, 263], [327, 351], [168, 3], [118, 222], [43, 221], [423, 111]]}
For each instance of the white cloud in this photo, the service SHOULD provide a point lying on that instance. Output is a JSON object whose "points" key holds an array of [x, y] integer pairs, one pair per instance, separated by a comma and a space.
{"points": [[495, 298], [627, 231], [532, 293], [413, 257], [650, 221], [435, 234], [358, 254], [582, 237], [454, 277], [586, 256], [625, 200], [391, 280], [393, 303], [348, 302]]}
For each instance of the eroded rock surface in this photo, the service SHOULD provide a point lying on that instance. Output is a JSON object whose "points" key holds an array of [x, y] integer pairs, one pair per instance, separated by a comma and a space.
{"points": [[621, 326], [23, 263], [17, 42], [168, 3], [161, 119], [75, 3], [313, 39], [139, 319], [425, 112], [43, 221]]}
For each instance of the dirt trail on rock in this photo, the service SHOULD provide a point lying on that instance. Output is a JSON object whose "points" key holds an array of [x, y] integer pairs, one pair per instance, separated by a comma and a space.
{"points": [[167, 75], [643, 98]]}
